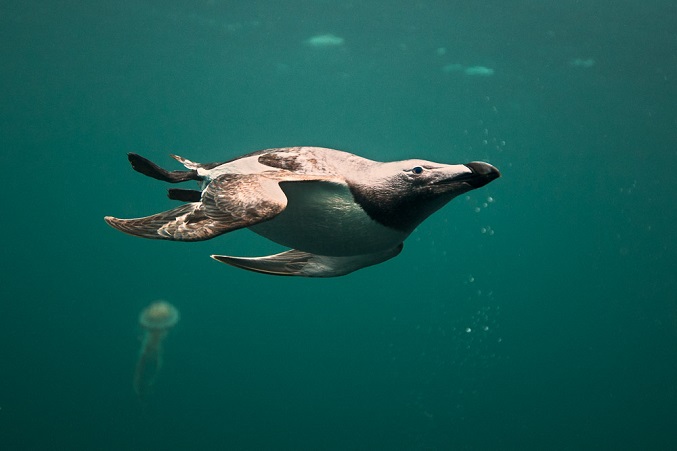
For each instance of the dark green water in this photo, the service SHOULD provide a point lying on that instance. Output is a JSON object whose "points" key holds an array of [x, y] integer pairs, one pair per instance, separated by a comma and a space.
{"points": [[544, 319]]}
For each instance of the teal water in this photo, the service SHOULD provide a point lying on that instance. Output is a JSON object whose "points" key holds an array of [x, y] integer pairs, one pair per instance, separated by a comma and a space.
{"points": [[537, 313]]}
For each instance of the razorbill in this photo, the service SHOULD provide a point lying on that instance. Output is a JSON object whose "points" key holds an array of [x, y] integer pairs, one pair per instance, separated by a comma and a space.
{"points": [[337, 211]]}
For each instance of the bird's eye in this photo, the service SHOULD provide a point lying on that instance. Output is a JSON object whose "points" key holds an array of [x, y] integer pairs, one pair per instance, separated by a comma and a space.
{"points": [[417, 170]]}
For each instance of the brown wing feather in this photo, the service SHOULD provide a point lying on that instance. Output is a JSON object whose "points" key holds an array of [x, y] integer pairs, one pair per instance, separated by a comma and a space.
{"points": [[230, 202], [185, 223], [243, 200]]}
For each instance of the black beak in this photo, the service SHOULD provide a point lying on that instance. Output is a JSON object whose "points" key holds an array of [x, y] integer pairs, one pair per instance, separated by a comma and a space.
{"points": [[482, 173]]}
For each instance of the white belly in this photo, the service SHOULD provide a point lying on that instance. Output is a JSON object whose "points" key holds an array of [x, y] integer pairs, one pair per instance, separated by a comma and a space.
{"points": [[322, 218]]}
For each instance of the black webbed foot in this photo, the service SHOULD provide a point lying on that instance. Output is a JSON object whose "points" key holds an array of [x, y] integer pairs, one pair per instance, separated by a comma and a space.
{"points": [[147, 167], [185, 195]]}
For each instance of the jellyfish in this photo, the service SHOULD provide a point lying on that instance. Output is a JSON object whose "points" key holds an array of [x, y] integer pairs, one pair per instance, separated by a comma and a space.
{"points": [[156, 320]]}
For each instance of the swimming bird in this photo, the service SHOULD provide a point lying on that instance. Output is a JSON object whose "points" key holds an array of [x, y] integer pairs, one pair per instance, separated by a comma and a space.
{"points": [[338, 212]]}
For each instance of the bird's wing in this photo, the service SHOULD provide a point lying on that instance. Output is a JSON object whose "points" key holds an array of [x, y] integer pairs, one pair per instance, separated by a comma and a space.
{"points": [[230, 202], [304, 264]]}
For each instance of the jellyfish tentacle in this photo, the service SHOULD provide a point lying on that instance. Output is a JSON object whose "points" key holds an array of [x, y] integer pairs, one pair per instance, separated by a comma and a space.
{"points": [[156, 320]]}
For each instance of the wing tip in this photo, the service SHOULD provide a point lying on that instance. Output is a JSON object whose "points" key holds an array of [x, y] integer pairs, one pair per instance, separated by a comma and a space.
{"points": [[111, 220]]}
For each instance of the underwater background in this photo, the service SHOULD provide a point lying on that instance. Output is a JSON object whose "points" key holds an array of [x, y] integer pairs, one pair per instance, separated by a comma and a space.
{"points": [[538, 312]]}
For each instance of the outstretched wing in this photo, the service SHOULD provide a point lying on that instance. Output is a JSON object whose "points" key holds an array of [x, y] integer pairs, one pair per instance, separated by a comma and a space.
{"points": [[185, 223], [304, 264], [230, 202]]}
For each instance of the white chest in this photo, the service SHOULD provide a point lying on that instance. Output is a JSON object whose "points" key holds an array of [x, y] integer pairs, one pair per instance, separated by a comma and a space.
{"points": [[322, 218]]}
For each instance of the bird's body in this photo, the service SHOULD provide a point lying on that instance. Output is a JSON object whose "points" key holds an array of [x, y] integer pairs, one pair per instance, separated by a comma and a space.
{"points": [[338, 212]]}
